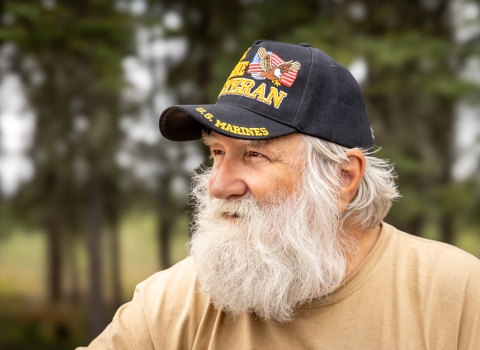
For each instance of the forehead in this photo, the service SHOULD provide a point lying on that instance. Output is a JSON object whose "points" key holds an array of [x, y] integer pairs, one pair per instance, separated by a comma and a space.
{"points": [[279, 143]]}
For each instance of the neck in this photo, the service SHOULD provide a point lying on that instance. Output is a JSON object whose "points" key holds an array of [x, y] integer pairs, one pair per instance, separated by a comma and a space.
{"points": [[366, 240]]}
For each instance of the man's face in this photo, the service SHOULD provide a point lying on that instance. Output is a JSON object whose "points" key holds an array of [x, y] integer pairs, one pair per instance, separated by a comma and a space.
{"points": [[265, 234], [263, 169]]}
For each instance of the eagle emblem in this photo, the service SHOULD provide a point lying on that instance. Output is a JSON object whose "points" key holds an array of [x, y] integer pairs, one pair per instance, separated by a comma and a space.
{"points": [[268, 65]]}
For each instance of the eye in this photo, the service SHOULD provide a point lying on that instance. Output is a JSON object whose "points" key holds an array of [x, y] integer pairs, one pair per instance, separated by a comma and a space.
{"points": [[215, 152], [257, 156]]}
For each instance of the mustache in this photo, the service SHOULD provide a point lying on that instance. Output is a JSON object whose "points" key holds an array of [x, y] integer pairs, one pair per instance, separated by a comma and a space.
{"points": [[238, 207]]}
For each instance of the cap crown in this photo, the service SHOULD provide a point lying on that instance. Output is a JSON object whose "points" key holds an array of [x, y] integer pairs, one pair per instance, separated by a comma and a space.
{"points": [[301, 87]]}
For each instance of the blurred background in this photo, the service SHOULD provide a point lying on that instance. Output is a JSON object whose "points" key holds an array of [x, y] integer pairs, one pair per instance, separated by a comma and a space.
{"points": [[93, 199]]}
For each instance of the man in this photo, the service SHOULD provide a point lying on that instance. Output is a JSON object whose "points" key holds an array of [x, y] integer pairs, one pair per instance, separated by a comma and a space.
{"points": [[288, 247]]}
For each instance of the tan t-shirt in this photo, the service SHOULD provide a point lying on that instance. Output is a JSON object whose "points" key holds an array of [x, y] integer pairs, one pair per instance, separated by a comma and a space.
{"points": [[410, 293]]}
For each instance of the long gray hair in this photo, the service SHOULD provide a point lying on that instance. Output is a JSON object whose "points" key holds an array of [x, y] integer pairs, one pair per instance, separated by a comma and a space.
{"points": [[377, 190]]}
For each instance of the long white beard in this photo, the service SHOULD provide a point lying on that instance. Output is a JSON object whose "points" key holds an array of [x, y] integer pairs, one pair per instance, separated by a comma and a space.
{"points": [[273, 257]]}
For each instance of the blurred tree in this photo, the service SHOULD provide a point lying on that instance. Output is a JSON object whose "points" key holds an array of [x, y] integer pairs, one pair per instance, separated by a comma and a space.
{"points": [[69, 58], [411, 92], [171, 156]]}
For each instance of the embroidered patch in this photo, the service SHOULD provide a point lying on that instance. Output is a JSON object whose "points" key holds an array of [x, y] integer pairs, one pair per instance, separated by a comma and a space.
{"points": [[268, 65], [233, 129], [246, 87]]}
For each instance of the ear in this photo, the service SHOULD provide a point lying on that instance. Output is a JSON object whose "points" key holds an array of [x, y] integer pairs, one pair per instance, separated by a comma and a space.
{"points": [[351, 173]]}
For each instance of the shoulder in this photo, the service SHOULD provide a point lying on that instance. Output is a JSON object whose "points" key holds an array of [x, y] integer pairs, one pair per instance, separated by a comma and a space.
{"points": [[173, 308], [173, 294], [435, 252], [178, 276], [435, 263], [170, 288], [440, 286]]}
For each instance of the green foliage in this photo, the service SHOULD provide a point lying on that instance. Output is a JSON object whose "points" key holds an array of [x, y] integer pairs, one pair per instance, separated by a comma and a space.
{"points": [[99, 39], [76, 48]]}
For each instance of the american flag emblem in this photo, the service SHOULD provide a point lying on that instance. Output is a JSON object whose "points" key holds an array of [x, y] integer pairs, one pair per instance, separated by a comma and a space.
{"points": [[268, 65]]}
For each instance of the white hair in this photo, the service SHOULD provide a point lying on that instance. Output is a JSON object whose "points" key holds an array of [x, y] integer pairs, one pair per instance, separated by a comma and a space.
{"points": [[377, 190]]}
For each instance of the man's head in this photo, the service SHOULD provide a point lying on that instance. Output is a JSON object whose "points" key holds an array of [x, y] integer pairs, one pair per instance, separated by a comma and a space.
{"points": [[294, 183]]}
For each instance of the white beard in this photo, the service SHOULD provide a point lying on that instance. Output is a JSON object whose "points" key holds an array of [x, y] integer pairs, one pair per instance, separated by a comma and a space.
{"points": [[273, 257]]}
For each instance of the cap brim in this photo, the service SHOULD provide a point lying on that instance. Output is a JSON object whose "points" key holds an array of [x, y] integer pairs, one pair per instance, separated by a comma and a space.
{"points": [[186, 122]]}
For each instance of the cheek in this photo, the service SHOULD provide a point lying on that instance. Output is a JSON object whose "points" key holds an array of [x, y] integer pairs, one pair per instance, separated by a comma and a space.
{"points": [[213, 175], [272, 181]]}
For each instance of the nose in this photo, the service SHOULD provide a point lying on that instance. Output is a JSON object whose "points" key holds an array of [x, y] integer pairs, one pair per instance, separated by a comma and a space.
{"points": [[225, 180]]}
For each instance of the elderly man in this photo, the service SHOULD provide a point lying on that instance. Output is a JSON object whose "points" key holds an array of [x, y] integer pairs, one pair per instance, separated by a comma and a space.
{"points": [[288, 247]]}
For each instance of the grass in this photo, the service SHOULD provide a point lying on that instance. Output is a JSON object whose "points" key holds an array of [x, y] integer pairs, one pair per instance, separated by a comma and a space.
{"points": [[469, 241], [23, 258], [467, 238]]}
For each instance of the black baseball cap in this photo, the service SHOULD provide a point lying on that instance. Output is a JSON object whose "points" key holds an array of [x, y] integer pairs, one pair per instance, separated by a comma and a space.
{"points": [[277, 89]]}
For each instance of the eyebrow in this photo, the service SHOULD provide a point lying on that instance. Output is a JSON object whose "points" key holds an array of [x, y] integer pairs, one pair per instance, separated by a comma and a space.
{"points": [[255, 143], [207, 139]]}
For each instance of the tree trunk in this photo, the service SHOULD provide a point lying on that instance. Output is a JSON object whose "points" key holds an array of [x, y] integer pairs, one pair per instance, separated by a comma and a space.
{"points": [[95, 207], [447, 228], [164, 234], [167, 217], [115, 256], [54, 261], [74, 294], [415, 226]]}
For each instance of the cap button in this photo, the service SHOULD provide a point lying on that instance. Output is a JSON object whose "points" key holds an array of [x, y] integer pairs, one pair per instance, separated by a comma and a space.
{"points": [[305, 44]]}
